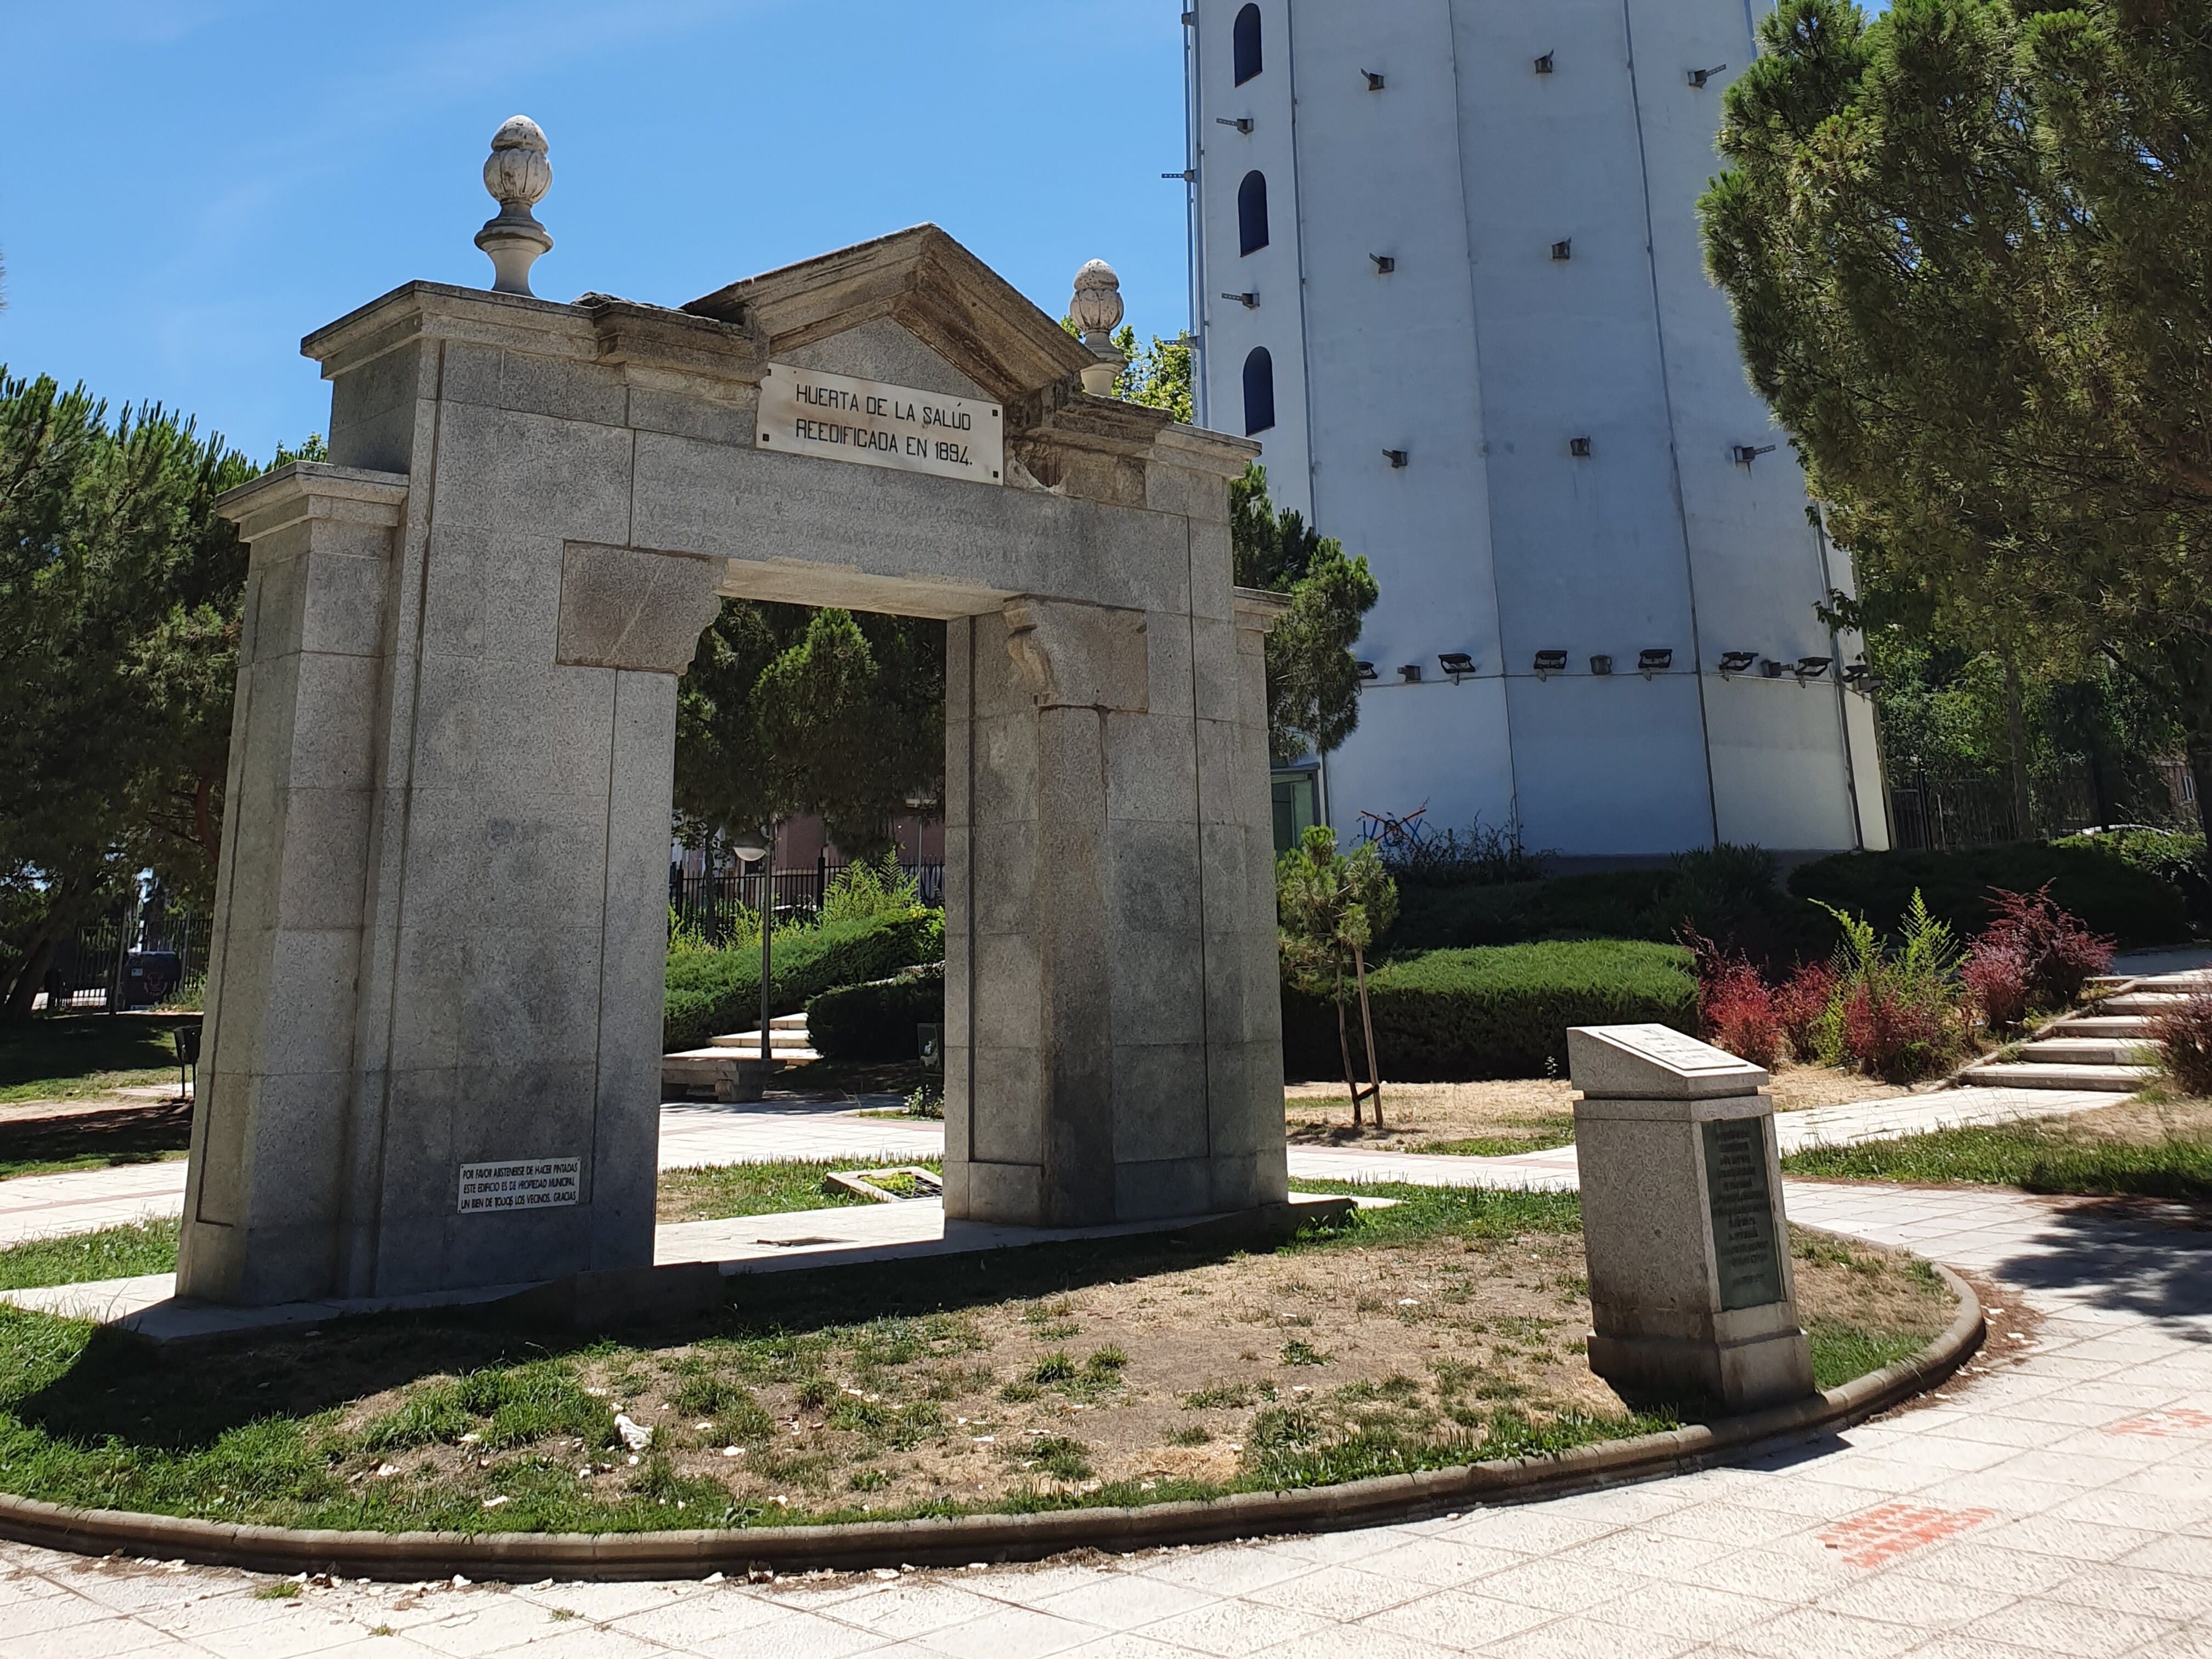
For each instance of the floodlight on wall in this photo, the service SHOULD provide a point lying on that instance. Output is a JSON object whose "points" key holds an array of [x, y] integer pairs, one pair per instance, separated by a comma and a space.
{"points": [[1859, 677], [1737, 662], [1744, 454], [1384, 263], [1373, 80], [1544, 64], [1602, 666], [1397, 458], [1241, 123], [1564, 251], [1248, 301], [1772, 669], [1364, 674], [1656, 661], [1811, 668], [1698, 77], [1188, 175], [1549, 663], [1579, 448], [1456, 663], [1410, 672]]}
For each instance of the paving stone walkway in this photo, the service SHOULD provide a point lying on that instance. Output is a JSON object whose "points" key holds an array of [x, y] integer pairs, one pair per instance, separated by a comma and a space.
{"points": [[2055, 1500]]}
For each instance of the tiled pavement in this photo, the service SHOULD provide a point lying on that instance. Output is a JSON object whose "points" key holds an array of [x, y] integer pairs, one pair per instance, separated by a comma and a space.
{"points": [[2056, 1499]]}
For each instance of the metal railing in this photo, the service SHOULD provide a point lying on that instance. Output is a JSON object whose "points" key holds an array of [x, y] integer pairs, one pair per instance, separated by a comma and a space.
{"points": [[709, 904]]}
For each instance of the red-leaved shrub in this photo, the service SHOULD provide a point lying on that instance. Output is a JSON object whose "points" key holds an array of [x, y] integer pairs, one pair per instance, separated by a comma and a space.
{"points": [[2183, 1031], [1801, 1003], [1996, 974], [2034, 954], [1897, 1038], [1735, 1004]]}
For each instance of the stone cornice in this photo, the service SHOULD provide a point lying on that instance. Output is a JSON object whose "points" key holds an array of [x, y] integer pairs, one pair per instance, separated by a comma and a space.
{"points": [[313, 489]]}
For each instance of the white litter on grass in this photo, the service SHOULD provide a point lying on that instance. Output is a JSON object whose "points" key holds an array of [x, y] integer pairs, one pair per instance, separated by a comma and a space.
{"points": [[733, 1451], [493, 1503], [634, 1434]]}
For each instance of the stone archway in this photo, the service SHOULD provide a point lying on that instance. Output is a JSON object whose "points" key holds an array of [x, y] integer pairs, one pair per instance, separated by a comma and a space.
{"points": [[435, 1001]]}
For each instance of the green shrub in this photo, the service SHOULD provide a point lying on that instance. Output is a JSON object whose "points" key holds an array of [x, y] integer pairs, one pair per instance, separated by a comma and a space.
{"points": [[864, 892], [1498, 1012], [877, 1021], [2109, 895], [710, 993], [2169, 856]]}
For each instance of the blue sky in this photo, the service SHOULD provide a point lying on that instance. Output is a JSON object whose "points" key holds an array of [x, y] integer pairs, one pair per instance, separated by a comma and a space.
{"points": [[188, 186]]}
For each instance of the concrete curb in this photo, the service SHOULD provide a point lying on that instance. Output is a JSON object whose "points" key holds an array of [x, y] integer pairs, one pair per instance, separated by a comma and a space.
{"points": [[522, 1557]]}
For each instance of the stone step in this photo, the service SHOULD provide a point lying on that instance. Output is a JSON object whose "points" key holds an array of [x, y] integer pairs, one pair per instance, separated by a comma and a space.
{"points": [[2140, 1002], [2101, 1025], [2116, 1079], [2072, 1050], [780, 1038]]}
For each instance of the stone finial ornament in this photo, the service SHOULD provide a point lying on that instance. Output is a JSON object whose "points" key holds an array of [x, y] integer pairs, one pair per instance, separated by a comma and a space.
{"points": [[518, 175], [1097, 309]]}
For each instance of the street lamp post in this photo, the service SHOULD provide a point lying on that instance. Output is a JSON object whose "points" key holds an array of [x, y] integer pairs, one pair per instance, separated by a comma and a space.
{"points": [[751, 847]]}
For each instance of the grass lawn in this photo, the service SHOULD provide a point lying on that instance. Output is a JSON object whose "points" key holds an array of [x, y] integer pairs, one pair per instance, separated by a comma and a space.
{"points": [[2146, 1148], [721, 1192], [76, 1056], [70, 1135], [1140, 1370], [146, 1247]]}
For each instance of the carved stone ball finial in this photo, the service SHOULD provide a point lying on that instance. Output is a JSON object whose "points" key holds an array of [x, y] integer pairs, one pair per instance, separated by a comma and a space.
{"points": [[518, 175], [1097, 309]]}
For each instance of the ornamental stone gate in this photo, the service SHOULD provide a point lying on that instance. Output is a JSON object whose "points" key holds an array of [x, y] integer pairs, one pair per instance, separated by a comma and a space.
{"points": [[434, 1005]]}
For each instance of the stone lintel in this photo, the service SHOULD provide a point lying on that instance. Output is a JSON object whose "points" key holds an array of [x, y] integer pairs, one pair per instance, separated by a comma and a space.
{"points": [[313, 489], [626, 607]]}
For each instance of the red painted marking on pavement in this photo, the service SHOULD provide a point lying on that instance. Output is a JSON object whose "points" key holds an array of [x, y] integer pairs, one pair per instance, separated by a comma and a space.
{"points": [[2157, 1425], [1882, 1535]]}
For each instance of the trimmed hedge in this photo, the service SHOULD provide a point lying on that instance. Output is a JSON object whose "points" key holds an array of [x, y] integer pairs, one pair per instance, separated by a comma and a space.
{"points": [[876, 1021], [1501, 1011], [2133, 905], [712, 993]]}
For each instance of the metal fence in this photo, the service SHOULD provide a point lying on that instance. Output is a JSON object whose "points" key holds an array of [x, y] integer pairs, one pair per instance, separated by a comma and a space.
{"points": [[709, 903], [1930, 812], [143, 952]]}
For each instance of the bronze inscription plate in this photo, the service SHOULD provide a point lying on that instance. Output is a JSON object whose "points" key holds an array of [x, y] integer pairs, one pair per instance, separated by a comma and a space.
{"points": [[1736, 1180]]}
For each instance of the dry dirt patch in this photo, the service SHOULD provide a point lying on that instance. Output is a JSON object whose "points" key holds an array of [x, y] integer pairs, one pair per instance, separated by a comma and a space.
{"points": [[1522, 1114]]}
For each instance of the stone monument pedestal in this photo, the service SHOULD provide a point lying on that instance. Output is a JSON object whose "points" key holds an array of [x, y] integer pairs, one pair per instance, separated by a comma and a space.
{"points": [[1691, 1291]]}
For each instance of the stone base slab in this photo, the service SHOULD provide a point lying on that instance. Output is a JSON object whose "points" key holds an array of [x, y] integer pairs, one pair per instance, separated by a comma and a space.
{"points": [[1744, 1375]]}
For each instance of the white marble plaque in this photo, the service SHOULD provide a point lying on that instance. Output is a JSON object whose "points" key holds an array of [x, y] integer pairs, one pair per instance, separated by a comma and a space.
{"points": [[1671, 1048], [838, 418], [529, 1183]]}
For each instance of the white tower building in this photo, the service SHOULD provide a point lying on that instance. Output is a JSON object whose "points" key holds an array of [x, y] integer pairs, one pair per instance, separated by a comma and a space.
{"points": [[1447, 268]]}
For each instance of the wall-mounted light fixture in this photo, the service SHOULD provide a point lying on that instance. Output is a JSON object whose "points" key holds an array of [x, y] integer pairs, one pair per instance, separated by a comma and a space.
{"points": [[1549, 663], [1241, 123], [1579, 448], [1457, 664], [1410, 672], [1655, 661], [1744, 454], [1384, 263], [1544, 64], [1397, 458], [1602, 666], [1811, 668], [1364, 674], [1249, 301], [1772, 669], [1188, 175], [1859, 677], [1564, 251], [1698, 77], [1373, 80], [1737, 662]]}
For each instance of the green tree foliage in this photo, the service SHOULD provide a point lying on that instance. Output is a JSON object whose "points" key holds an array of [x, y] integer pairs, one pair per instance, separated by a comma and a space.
{"points": [[1332, 909], [789, 710], [1313, 683], [119, 597], [1157, 375], [1965, 245]]}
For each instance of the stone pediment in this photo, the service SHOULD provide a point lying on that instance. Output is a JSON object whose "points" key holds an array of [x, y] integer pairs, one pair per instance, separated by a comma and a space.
{"points": [[929, 285]]}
